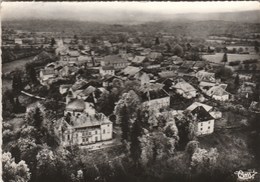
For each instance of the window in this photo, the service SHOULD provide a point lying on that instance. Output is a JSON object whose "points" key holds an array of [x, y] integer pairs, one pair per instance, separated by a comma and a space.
{"points": [[201, 129], [104, 131], [201, 124], [108, 125], [68, 137], [89, 133], [83, 139], [96, 132], [209, 127], [96, 138]]}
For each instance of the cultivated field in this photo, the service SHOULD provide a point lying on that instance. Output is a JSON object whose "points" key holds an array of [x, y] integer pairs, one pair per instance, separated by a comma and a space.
{"points": [[216, 58], [18, 64]]}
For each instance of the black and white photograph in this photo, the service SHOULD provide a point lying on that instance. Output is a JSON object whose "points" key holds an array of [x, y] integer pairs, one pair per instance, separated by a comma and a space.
{"points": [[130, 91]]}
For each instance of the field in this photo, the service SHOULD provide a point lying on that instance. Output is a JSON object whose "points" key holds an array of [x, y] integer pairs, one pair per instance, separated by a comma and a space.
{"points": [[18, 64], [234, 149], [216, 58], [233, 140]]}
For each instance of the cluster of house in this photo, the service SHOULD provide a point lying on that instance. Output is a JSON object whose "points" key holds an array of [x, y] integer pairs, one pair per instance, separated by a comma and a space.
{"points": [[160, 78], [26, 39]]}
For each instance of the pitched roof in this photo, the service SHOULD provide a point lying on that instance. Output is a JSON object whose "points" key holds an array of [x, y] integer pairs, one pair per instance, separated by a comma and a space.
{"points": [[197, 104], [176, 59], [184, 86], [139, 59], [85, 120], [48, 71], [167, 74], [73, 53], [89, 90], [79, 85], [65, 86], [154, 55], [205, 76], [217, 90], [201, 113], [200, 64], [131, 70], [43, 56], [84, 58], [76, 105]]}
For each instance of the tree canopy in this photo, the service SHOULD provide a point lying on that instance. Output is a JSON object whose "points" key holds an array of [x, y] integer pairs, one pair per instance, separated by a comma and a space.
{"points": [[14, 171]]}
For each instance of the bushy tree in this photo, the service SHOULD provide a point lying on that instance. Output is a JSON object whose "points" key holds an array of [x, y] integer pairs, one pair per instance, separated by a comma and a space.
{"points": [[106, 103], [203, 160], [191, 147], [34, 117], [186, 128], [171, 130], [178, 50], [14, 172], [46, 165], [224, 73], [131, 101], [8, 135], [149, 117]]}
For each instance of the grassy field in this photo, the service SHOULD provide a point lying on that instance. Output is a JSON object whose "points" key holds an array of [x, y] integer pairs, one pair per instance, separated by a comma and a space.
{"points": [[18, 64], [216, 58], [233, 147]]}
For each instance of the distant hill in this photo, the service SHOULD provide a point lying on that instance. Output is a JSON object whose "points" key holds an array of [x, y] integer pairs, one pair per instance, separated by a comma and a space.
{"points": [[243, 16], [200, 25]]}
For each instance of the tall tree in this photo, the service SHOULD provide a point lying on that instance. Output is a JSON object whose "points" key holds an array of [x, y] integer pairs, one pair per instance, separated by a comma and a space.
{"points": [[225, 59], [53, 42], [157, 41], [135, 145], [237, 81], [124, 122], [31, 73], [17, 85]]}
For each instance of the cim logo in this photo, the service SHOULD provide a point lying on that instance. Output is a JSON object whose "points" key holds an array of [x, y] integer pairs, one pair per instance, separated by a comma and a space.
{"points": [[245, 175]]}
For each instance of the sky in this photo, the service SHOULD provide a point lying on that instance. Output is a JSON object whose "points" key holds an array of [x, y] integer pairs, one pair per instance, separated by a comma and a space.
{"points": [[99, 10]]}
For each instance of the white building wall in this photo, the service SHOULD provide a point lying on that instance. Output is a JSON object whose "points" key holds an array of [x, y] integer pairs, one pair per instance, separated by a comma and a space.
{"points": [[106, 131], [205, 127], [96, 137], [221, 98], [158, 103]]}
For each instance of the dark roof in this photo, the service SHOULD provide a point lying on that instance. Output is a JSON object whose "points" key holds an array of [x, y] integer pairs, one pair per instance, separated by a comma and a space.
{"points": [[108, 68], [202, 114], [188, 64]]}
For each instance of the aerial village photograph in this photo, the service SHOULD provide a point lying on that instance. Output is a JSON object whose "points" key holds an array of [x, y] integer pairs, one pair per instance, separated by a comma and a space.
{"points": [[130, 91]]}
